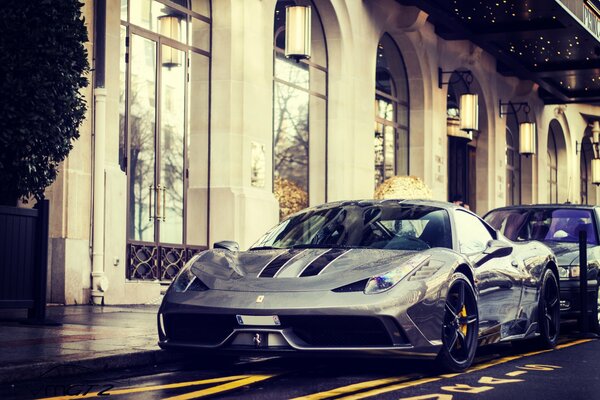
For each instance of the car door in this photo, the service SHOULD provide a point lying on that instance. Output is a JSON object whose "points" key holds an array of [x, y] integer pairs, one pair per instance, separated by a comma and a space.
{"points": [[497, 277]]}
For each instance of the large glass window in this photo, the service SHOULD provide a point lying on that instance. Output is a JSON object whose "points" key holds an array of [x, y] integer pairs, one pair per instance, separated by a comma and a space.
{"points": [[586, 156], [552, 167], [391, 112], [299, 118], [513, 168], [164, 88]]}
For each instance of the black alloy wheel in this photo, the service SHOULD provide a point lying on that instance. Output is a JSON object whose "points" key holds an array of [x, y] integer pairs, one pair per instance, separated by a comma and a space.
{"points": [[549, 310], [460, 325]]}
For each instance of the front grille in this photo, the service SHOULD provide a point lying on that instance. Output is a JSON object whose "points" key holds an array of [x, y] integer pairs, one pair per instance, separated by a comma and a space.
{"points": [[338, 331], [208, 329]]}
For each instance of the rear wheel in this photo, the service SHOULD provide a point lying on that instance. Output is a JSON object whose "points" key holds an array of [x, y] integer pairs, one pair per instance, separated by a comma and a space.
{"points": [[460, 325], [549, 310]]}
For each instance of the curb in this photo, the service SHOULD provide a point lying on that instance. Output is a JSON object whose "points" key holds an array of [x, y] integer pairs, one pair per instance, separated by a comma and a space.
{"points": [[55, 369]]}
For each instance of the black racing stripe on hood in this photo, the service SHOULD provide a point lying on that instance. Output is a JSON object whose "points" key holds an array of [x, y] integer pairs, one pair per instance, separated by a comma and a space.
{"points": [[275, 265], [322, 261]]}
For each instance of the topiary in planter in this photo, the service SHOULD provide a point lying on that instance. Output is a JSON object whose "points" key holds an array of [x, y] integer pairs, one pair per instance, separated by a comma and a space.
{"points": [[43, 66]]}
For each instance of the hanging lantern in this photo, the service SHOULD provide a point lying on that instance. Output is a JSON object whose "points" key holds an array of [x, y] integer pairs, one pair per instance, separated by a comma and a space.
{"points": [[527, 136], [297, 32], [453, 129], [469, 112], [170, 26], [596, 171], [596, 131]]}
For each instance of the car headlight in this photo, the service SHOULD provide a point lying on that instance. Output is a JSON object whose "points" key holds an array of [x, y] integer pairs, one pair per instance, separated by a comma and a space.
{"points": [[574, 271], [381, 283], [187, 280]]}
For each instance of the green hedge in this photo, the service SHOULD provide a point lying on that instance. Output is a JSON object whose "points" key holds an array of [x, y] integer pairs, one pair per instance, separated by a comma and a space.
{"points": [[43, 64]]}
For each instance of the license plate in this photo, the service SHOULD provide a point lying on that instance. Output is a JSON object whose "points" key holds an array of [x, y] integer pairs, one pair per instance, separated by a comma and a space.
{"points": [[258, 320]]}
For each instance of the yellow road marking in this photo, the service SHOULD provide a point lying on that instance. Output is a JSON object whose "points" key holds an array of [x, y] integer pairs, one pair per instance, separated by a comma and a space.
{"points": [[221, 388], [516, 373], [151, 388], [390, 388], [354, 388], [423, 381]]}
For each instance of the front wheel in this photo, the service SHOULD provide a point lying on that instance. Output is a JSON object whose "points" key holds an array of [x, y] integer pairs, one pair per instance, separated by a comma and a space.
{"points": [[460, 325]]}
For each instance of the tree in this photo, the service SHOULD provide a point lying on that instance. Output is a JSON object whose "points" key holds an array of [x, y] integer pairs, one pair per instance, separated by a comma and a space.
{"points": [[43, 66]]}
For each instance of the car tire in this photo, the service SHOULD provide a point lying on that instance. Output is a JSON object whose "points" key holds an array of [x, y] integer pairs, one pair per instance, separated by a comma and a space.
{"points": [[549, 310], [548, 322], [595, 313], [460, 326]]}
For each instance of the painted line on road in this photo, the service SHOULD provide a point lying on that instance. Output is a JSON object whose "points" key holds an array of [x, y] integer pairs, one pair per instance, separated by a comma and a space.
{"points": [[356, 387], [222, 388], [154, 387]]}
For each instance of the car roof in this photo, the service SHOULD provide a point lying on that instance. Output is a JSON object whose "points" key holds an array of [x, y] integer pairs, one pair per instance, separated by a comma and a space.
{"points": [[544, 206], [374, 202]]}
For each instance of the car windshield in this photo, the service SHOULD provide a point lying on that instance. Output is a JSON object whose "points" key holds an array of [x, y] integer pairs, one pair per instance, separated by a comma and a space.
{"points": [[554, 224], [363, 225]]}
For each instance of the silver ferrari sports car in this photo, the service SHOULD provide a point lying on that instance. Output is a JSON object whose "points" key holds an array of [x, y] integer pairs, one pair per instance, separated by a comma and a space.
{"points": [[416, 279]]}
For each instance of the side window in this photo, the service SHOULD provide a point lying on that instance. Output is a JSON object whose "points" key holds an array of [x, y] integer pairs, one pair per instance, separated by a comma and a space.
{"points": [[472, 234]]}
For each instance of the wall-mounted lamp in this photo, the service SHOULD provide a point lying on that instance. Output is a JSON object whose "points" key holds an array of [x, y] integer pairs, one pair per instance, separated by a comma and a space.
{"points": [[297, 32], [596, 171], [170, 26], [527, 129], [595, 125], [468, 105]]}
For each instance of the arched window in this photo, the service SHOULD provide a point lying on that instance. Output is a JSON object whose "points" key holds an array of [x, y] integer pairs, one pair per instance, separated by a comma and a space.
{"points": [[391, 112], [513, 168], [552, 167], [587, 153], [164, 92], [299, 117]]}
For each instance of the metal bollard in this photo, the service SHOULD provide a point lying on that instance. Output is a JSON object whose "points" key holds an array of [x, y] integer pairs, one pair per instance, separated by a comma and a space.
{"points": [[583, 283]]}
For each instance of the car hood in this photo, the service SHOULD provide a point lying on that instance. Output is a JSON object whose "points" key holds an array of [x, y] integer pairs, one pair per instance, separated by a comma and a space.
{"points": [[293, 269], [566, 253]]}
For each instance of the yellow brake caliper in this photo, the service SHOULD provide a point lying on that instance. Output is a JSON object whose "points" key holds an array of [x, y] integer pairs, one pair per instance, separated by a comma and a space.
{"points": [[463, 314]]}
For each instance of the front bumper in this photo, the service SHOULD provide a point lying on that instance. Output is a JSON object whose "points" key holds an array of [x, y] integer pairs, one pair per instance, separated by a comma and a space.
{"points": [[570, 303], [310, 322]]}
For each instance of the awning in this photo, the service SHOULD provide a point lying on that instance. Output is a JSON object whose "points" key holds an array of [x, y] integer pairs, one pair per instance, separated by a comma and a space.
{"points": [[555, 43]]}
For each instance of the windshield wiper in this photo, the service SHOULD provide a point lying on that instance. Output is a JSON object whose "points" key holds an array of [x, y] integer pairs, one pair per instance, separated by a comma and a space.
{"points": [[265, 248]]}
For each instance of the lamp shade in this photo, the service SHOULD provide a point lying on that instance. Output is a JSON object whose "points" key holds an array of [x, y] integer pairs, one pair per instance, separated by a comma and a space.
{"points": [[469, 112], [170, 26], [297, 32], [596, 131], [596, 171], [527, 137]]}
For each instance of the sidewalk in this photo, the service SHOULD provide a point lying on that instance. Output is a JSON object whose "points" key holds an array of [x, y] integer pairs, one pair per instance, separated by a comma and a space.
{"points": [[91, 338]]}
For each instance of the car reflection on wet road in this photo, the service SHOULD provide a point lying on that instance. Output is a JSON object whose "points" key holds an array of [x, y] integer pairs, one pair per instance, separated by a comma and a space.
{"points": [[500, 371]]}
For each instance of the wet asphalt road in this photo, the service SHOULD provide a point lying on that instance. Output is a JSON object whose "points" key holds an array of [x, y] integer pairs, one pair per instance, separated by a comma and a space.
{"points": [[572, 371]]}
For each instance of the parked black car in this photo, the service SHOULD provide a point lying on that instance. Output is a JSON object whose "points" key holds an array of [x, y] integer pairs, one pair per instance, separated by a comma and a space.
{"points": [[558, 226]]}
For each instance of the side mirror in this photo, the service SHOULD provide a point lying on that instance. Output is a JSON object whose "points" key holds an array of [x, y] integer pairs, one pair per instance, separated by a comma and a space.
{"points": [[498, 248], [227, 245]]}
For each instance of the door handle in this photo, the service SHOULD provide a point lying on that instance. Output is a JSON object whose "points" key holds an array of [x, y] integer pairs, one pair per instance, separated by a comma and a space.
{"points": [[150, 195], [514, 263], [160, 203]]}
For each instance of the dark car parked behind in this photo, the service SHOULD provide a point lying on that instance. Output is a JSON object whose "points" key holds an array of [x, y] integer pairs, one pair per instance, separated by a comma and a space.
{"points": [[558, 226]]}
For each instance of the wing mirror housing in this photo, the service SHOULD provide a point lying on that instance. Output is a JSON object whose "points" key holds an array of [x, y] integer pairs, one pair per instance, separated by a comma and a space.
{"points": [[498, 248], [227, 245]]}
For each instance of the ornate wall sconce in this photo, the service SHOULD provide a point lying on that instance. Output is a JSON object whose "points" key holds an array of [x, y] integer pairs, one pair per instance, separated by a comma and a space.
{"points": [[527, 129], [468, 105]]}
